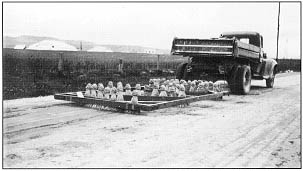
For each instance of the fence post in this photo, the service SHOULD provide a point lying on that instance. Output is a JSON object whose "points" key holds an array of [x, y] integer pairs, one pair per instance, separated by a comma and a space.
{"points": [[60, 63], [120, 66], [158, 62]]}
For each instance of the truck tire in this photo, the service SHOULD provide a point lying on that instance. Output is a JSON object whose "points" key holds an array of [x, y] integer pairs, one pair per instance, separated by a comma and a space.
{"points": [[270, 81], [232, 79], [243, 80], [180, 71]]}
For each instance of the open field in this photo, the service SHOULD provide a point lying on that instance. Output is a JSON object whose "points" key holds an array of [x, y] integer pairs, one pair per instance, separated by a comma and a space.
{"points": [[261, 129]]}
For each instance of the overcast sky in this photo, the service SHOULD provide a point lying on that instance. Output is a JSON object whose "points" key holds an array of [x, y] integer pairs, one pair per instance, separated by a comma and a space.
{"points": [[155, 24]]}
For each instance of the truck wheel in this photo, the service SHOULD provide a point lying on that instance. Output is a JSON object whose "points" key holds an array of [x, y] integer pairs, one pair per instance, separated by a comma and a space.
{"points": [[243, 80], [180, 71], [232, 79], [270, 81]]}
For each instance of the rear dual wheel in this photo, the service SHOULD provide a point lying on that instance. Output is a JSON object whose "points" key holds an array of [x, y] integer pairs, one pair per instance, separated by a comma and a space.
{"points": [[240, 81]]}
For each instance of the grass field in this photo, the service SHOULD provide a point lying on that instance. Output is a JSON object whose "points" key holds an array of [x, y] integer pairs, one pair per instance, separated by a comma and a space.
{"points": [[30, 73]]}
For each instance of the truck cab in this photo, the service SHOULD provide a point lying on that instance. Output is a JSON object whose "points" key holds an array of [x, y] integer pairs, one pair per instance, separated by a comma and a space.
{"points": [[252, 38]]}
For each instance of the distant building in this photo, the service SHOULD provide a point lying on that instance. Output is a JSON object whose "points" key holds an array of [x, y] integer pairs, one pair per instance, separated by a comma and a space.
{"points": [[99, 49], [52, 45], [20, 47], [151, 51]]}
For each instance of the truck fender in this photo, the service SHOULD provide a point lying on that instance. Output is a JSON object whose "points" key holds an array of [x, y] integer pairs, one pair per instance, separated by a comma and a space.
{"points": [[269, 67]]}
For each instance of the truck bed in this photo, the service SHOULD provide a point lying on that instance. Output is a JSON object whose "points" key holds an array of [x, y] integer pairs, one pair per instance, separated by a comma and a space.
{"points": [[214, 48]]}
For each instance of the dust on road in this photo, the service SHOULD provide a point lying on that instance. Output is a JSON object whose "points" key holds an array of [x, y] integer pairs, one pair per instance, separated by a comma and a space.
{"points": [[258, 130]]}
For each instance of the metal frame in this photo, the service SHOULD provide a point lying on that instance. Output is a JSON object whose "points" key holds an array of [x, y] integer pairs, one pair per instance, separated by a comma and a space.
{"points": [[146, 103]]}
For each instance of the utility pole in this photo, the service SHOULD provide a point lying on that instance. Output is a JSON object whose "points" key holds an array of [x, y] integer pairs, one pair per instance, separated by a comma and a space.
{"points": [[278, 33]]}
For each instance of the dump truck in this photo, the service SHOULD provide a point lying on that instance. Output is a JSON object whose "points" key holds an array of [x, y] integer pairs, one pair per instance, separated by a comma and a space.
{"points": [[236, 57]]}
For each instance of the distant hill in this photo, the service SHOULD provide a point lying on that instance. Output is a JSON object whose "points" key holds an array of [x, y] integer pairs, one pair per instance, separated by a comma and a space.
{"points": [[11, 42]]}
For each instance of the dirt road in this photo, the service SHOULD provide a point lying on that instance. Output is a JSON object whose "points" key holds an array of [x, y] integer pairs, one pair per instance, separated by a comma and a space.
{"points": [[258, 130]]}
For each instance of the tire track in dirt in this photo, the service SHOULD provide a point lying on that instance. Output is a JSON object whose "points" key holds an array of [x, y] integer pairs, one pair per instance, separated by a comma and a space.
{"points": [[249, 129], [278, 135], [287, 154], [14, 124], [246, 131], [37, 125], [268, 133], [38, 113], [255, 142]]}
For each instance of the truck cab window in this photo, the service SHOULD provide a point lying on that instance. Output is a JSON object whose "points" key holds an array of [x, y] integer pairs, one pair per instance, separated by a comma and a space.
{"points": [[244, 40], [254, 41]]}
